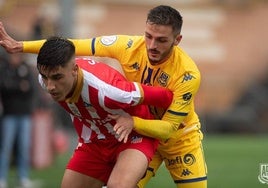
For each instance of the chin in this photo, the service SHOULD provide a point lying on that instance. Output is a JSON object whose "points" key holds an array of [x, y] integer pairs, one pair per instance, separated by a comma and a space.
{"points": [[58, 99], [154, 60]]}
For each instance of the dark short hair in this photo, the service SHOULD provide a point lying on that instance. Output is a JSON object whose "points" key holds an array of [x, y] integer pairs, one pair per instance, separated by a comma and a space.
{"points": [[55, 52], [166, 15]]}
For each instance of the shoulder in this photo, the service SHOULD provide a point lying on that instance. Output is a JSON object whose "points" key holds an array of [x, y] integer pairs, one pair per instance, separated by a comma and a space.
{"points": [[184, 60], [124, 39], [100, 70]]}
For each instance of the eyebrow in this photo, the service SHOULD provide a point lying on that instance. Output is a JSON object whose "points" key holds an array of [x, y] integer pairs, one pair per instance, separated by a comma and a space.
{"points": [[161, 37], [51, 76]]}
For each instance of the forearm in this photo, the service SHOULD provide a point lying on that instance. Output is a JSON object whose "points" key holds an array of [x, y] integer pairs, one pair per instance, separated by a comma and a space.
{"points": [[158, 129], [157, 96], [32, 46], [81, 46]]}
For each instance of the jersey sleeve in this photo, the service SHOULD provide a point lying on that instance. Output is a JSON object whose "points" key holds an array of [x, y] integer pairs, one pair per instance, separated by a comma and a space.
{"points": [[157, 96], [103, 46], [134, 93], [182, 106], [158, 129], [33, 46], [176, 114], [82, 46], [109, 46]]}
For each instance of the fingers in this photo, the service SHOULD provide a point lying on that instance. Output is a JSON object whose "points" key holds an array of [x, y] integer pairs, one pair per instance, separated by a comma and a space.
{"points": [[2, 31], [123, 126], [116, 126], [126, 138], [122, 132], [123, 136], [7, 42]]}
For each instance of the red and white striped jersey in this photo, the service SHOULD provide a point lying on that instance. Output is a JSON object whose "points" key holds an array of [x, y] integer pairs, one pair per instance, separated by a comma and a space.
{"points": [[100, 91]]}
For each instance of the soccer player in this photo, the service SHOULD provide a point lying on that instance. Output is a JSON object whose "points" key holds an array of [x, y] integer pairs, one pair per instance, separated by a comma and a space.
{"points": [[155, 59], [89, 91]]}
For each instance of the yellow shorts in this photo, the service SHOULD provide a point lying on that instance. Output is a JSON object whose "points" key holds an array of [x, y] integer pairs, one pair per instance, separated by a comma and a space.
{"points": [[184, 160]]}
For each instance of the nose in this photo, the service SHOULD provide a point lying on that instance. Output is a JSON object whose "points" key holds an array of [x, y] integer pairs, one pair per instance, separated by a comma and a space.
{"points": [[50, 85], [153, 44]]}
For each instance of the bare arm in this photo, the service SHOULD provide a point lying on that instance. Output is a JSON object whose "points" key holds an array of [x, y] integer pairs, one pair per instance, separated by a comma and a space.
{"points": [[7, 42]]}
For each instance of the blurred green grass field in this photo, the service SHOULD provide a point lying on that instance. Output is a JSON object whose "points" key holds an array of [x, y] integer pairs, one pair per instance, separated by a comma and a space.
{"points": [[233, 162]]}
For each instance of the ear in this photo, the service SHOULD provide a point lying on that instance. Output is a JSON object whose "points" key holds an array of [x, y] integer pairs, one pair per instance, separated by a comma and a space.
{"points": [[75, 70], [177, 39]]}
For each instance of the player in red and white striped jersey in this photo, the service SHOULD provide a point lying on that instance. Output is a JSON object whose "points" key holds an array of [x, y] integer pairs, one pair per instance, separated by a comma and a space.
{"points": [[101, 90], [90, 91]]}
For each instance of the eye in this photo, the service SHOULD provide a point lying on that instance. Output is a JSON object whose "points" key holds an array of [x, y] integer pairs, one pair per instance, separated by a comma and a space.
{"points": [[57, 77], [162, 40], [148, 36]]}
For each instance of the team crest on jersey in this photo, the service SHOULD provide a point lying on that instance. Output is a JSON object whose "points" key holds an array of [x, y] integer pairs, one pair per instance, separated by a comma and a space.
{"points": [[135, 66], [108, 40], [163, 79]]}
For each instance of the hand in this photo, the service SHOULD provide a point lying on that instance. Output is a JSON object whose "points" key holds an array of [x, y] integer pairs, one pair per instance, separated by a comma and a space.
{"points": [[123, 127], [10, 44]]}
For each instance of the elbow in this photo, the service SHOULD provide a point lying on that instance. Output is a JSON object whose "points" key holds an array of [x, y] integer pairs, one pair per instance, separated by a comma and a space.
{"points": [[168, 133], [171, 130]]}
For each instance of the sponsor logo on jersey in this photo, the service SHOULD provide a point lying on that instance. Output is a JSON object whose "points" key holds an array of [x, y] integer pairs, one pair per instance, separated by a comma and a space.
{"points": [[136, 139], [89, 107], [135, 66], [186, 77], [74, 110], [129, 43], [108, 40], [187, 96], [185, 172], [188, 159], [163, 79], [263, 176]]}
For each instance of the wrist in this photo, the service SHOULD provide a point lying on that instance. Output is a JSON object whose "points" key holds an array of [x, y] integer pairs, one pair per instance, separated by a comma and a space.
{"points": [[18, 47]]}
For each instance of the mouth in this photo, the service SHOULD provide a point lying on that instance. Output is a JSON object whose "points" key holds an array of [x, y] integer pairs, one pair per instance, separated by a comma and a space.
{"points": [[153, 52], [55, 95]]}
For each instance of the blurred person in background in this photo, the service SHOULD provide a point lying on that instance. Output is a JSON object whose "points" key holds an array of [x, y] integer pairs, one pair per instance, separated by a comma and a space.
{"points": [[17, 89]]}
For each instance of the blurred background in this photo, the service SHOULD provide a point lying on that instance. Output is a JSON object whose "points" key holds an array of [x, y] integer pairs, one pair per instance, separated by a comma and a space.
{"points": [[226, 38]]}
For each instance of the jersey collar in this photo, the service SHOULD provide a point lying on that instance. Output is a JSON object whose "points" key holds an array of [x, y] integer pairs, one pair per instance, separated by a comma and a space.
{"points": [[78, 88]]}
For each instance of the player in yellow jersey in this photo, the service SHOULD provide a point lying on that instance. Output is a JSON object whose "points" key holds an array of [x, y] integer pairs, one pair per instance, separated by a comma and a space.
{"points": [[155, 59]]}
